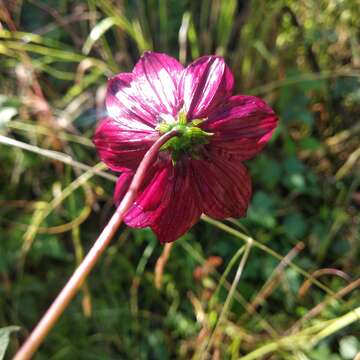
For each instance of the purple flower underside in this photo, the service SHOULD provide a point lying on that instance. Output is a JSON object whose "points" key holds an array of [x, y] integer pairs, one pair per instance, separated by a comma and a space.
{"points": [[211, 180]]}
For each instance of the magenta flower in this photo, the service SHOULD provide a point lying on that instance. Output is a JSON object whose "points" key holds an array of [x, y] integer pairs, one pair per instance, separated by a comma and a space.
{"points": [[201, 170]]}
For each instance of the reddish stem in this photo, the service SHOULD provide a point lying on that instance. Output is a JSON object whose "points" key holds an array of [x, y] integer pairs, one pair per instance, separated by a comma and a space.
{"points": [[77, 279]]}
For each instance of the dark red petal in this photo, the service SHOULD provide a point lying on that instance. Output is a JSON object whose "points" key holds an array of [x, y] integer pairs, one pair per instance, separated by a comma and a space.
{"points": [[183, 209], [152, 198], [241, 127], [125, 104], [138, 98], [205, 83], [156, 78], [225, 187], [169, 203], [122, 186], [119, 148]]}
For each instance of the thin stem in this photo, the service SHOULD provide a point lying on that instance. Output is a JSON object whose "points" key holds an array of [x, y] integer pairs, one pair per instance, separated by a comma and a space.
{"points": [[229, 298], [77, 279], [224, 275], [268, 250], [160, 264], [55, 155]]}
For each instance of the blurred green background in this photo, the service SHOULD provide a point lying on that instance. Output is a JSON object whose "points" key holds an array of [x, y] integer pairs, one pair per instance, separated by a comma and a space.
{"points": [[298, 296]]}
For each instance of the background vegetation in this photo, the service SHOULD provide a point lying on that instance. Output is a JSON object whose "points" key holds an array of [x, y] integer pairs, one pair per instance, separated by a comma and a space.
{"points": [[298, 295]]}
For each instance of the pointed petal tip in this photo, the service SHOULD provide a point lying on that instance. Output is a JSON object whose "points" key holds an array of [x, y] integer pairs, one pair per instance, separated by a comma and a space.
{"points": [[205, 83], [242, 127], [156, 79]]}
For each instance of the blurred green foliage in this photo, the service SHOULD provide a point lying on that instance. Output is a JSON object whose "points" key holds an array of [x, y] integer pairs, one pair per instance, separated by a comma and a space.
{"points": [[303, 57]]}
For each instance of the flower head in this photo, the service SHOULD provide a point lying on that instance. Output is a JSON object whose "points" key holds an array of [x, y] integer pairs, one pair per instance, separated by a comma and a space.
{"points": [[199, 171]]}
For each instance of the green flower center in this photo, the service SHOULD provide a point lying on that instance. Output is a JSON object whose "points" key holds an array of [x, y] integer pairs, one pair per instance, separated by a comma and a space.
{"points": [[190, 139]]}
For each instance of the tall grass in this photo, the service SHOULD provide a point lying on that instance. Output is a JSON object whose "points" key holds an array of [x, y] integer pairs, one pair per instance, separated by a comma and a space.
{"points": [[281, 283]]}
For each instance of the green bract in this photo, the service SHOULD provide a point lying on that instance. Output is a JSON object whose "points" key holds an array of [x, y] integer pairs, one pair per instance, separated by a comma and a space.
{"points": [[189, 140]]}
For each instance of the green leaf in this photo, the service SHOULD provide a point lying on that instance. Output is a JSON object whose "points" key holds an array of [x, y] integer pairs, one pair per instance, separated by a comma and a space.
{"points": [[5, 338], [262, 210], [267, 170], [310, 143], [96, 33], [295, 226]]}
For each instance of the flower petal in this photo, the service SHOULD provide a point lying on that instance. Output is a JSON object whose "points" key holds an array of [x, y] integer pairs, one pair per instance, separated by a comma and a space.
{"points": [[205, 83], [124, 103], [152, 198], [241, 127], [183, 209], [225, 187], [156, 79], [169, 203], [122, 186], [120, 148], [138, 98]]}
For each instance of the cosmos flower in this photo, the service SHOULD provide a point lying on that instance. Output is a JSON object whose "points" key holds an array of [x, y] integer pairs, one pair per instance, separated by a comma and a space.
{"points": [[199, 171]]}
